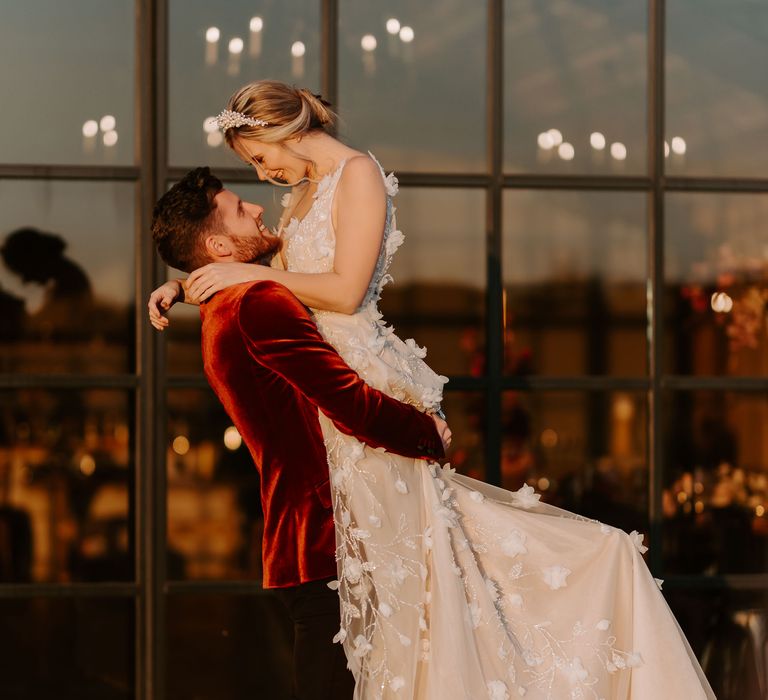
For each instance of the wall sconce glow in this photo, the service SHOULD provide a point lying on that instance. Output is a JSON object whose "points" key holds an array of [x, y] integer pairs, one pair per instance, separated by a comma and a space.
{"points": [[597, 140], [107, 123], [257, 24], [212, 35], [232, 439], [666, 149], [298, 49], [236, 45], [760, 511], [180, 445], [618, 151], [110, 138], [556, 136], [566, 151], [90, 128], [678, 145], [393, 26], [545, 141], [543, 483], [215, 139], [368, 42], [87, 465], [210, 125], [721, 303], [406, 34]]}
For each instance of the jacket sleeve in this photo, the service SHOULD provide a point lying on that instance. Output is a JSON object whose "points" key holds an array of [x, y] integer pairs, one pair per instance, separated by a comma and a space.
{"points": [[281, 335]]}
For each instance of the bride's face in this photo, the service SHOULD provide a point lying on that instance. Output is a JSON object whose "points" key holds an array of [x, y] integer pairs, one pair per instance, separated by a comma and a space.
{"points": [[272, 160]]}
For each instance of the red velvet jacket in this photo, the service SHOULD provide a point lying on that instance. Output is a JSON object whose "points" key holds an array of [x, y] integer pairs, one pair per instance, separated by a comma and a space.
{"points": [[272, 371]]}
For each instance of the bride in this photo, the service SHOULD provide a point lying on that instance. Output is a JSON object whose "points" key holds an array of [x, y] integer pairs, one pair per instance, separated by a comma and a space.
{"points": [[449, 588]]}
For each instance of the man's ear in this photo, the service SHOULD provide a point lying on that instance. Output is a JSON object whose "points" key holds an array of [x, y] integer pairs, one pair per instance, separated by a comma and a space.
{"points": [[218, 246]]}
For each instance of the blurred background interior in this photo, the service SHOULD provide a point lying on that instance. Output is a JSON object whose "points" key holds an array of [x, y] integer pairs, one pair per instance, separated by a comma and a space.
{"points": [[584, 203]]}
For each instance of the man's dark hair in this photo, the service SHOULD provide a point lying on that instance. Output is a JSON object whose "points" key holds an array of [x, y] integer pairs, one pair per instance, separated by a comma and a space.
{"points": [[183, 215]]}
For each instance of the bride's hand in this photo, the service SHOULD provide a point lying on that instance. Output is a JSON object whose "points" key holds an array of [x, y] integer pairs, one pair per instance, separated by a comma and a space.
{"points": [[442, 430], [214, 277], [162, 299]]}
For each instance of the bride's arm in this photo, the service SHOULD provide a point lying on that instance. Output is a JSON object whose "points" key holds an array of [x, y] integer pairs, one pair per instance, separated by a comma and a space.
{"points": [[359, 225]]}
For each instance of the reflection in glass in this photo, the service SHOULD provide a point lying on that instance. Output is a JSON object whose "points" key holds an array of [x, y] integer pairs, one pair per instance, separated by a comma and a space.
{"points": [[209, 636], [67, 648], [574, 274], [214, 506], [183, 333], [66, 276], [214, 51], [68, 93], [584, 452], [413, 90], [466, 411], [575, 86], [438, 296], [716, 275], [65, 475], [715, 498], [730, 639], [716, 92]]}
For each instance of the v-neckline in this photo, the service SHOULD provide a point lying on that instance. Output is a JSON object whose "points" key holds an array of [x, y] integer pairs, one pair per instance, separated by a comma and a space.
{"points": [[330, 174]]}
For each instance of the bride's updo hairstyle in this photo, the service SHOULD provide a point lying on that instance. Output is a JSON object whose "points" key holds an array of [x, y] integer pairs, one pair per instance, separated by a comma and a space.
{"points": [[289, 112]]}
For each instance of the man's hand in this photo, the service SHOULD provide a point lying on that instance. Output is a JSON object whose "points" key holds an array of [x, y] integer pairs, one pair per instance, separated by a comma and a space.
{"points": [[162, 299], [443, 431], [212, 278]]}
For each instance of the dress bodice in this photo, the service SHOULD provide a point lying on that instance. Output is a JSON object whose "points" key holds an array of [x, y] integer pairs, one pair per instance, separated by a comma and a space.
{"points": [[310, 243], [363, 339]]}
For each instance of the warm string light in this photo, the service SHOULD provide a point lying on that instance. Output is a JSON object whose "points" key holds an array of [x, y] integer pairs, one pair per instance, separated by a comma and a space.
{"points": [[212, 36], [107, 125], [256, 25], [235, 48], [368, 44], [553, 139]]}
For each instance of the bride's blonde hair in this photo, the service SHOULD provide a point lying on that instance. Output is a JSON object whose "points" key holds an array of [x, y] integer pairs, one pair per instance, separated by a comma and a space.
{"points": [[289, 112]]}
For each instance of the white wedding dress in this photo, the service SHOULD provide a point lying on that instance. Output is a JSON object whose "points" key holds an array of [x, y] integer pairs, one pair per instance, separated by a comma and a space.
{"points": [[451, 589]]}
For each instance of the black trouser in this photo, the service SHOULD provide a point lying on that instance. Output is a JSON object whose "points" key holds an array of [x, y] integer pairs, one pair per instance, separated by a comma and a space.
{"points": [[319, 666]]}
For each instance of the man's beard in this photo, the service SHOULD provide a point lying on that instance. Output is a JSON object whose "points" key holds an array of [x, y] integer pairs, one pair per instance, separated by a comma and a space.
{"points": [[256, 249]]}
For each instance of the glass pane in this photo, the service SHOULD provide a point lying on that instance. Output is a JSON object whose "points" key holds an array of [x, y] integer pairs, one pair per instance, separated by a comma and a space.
{"points": [[214, 504], [717, 94], [438, 296], [214, 51], [585, 452], [183, 332], [466, 414], [209, 636], [66, 276], [575, 86], [716, 483], [727, 630], [412, 82], [716, 274], [574, 273], [69, 90], [65, 477]]}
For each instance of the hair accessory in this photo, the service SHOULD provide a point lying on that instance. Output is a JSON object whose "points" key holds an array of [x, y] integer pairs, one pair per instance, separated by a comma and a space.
{"points": [[228, 119]]}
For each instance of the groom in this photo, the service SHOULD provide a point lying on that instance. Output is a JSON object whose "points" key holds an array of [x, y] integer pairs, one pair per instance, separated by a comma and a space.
{"points": [[272, 371]]}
